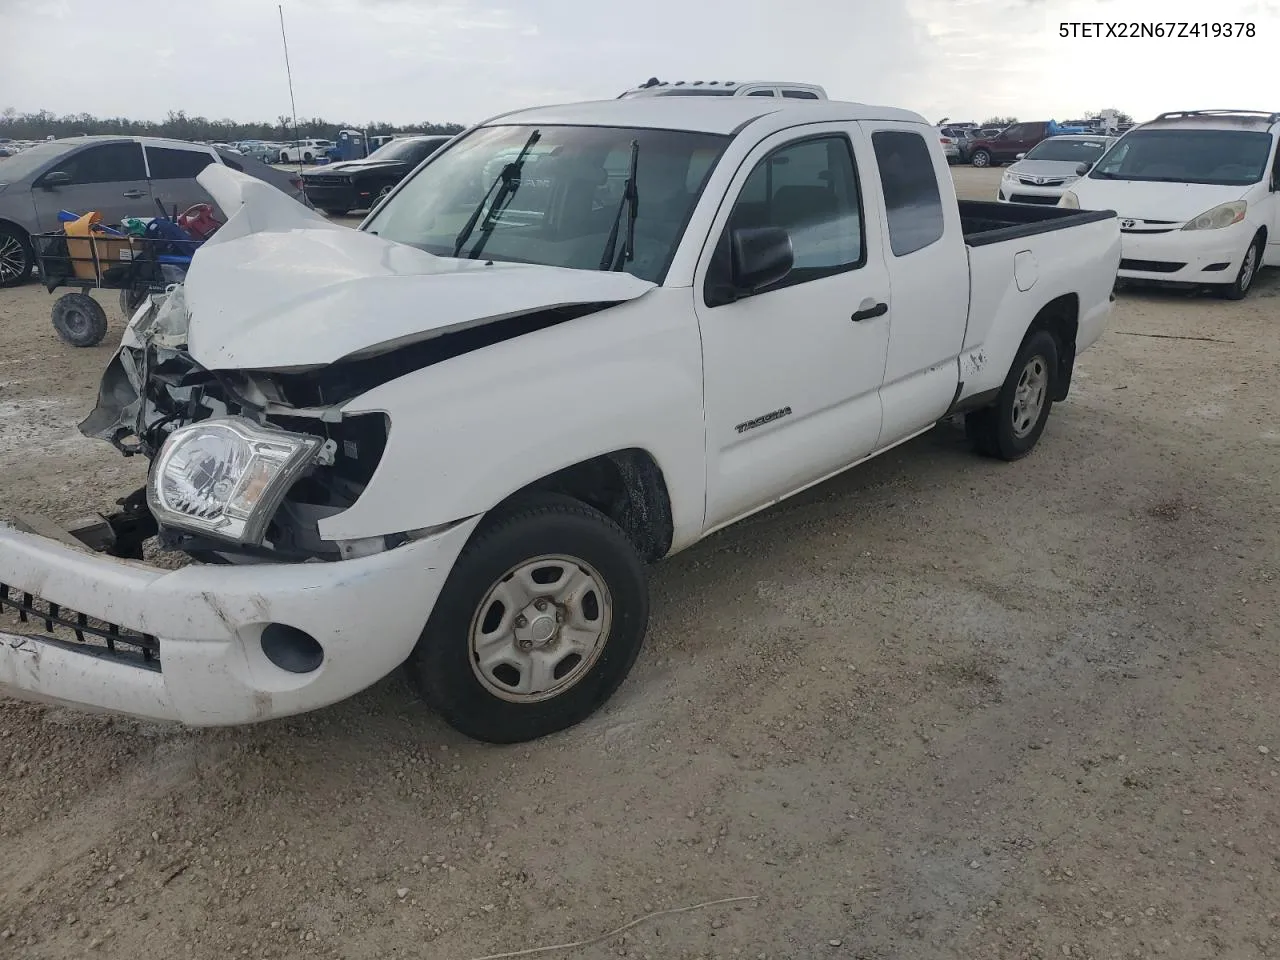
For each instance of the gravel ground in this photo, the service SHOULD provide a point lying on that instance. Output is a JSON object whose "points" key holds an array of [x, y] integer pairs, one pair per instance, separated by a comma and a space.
{"points": [[937, 707]]}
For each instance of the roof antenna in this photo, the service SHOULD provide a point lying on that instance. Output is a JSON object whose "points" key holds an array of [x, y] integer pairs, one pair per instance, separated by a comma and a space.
{"points": [[297, 144]]}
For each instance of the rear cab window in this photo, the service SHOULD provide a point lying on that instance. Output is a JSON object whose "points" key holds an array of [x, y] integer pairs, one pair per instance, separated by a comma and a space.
{"points": [[913, 202]]}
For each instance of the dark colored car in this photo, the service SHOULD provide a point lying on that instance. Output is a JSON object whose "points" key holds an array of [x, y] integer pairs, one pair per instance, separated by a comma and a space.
{"points": [[1007, 144], [359, 184]]}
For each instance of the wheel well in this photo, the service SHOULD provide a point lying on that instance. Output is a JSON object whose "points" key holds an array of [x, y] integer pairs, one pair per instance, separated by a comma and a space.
{"points": [[628, 487], [16, 226], [1061, 317]]}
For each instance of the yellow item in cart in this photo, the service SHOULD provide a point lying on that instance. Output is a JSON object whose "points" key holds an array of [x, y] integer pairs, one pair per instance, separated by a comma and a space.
{"points": [[90, 252]]}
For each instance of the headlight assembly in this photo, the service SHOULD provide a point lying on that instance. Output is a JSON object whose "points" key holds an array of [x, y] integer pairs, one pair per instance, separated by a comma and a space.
{"points": [[226, 477], [1219, 217]]}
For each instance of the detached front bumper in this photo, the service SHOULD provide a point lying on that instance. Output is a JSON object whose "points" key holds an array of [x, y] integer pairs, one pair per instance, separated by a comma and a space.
{"points": [[208, 622]]}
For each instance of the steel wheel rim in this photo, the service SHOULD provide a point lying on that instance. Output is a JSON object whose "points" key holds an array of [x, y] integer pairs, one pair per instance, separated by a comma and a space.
{"points": [[534, 638], [13, 259], [382, 194], [980, 159], [1029, 395], [1248, 268]]}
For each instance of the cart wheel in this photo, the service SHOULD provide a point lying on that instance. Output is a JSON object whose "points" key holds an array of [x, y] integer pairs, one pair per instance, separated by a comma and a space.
{"points": [[79, 319], [130, 301]]}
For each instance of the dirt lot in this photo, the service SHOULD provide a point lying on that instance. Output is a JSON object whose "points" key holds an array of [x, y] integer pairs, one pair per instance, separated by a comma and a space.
{"points": [[939, 707]]}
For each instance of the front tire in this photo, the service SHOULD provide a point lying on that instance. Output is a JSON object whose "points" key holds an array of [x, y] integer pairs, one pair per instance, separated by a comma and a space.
{"points": [[16, 256], [980, 158], [1240, 288], [1010, 428], [539, 622]]}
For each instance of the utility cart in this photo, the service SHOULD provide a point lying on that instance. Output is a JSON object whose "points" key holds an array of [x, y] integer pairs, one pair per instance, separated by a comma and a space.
{"points": [[138, 261]]}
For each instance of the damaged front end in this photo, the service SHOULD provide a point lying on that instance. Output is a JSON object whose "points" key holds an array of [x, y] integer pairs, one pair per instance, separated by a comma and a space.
{"points": [[257, 461]]}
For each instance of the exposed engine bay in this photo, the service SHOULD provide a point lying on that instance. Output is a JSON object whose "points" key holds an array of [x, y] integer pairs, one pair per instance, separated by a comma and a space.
{"points": [[153, 387]]}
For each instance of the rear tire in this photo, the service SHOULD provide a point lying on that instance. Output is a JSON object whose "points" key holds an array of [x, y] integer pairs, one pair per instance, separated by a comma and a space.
{"points": [[544, 557], [336, 211], [1010, 428], [16, 256], [980, 158], [1243, 283], [79, 319]]}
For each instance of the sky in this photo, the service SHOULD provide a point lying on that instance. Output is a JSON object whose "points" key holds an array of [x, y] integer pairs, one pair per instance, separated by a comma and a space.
{"points": [[463, 60]]}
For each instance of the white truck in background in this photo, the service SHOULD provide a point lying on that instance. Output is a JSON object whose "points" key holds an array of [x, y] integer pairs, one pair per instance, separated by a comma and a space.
{"points": [[455, 437]]}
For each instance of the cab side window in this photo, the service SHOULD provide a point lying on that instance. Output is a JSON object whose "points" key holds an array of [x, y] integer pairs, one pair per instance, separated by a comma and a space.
{"points": [[912, 201], [810, 189], [105, 163]]}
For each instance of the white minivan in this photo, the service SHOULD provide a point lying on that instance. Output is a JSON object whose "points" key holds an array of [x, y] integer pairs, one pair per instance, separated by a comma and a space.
{"points": [[1198, 195]]}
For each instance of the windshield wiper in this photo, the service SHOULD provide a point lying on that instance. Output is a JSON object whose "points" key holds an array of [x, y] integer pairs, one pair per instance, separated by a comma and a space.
{"points": [[507, 178], [630, 200]]}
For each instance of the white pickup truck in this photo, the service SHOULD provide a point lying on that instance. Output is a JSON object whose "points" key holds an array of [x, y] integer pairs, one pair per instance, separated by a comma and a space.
{"points": [[454, 438]]}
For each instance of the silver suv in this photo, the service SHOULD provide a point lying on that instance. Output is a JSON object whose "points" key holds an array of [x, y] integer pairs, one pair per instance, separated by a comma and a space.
{"points": [[116, 176]]}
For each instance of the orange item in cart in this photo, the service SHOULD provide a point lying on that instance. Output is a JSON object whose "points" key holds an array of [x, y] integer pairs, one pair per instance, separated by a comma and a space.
{"points": [[91, 253]]}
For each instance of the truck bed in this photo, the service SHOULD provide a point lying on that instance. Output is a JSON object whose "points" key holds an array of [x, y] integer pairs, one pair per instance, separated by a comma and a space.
{"points": [[983, 221]]}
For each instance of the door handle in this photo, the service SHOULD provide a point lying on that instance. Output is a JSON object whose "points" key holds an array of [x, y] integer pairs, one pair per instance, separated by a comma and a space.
{"points": [[869, 310], [134, 194]]}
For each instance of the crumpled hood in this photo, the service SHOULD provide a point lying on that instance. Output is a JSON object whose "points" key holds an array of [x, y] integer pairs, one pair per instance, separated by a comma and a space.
{"points": [[279, 286], [1146, 200]]}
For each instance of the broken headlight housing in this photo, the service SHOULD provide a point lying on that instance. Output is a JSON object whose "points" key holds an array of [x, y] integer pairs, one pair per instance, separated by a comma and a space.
{"points": [[226, 477]]}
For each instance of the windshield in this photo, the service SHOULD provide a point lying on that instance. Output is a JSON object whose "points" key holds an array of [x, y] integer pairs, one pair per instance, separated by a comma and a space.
{"points": [[1225, 158], [401, 150], [1078, 151], [561, 204], [21, 165]]}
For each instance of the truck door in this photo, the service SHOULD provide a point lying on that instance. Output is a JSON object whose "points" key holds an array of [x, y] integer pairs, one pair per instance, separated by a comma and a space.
{"points": [[928, 277], [792, 373]]}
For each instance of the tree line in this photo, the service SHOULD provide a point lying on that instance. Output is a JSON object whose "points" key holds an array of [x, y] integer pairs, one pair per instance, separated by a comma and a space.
{"points": [[1121, 117], [179, 126]]}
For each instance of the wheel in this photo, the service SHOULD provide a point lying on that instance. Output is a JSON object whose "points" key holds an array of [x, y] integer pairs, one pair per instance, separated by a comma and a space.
{"points": [[79, 319], [980, 158], [308, 157], [382, 194], [16, 256], [1009, 428], [539, 621], [284, 157], [336, 211], [130, 301], [1248, 270]]}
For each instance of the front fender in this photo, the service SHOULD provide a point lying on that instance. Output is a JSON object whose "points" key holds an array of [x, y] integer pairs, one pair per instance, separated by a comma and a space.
{"points": [[470, 431]]}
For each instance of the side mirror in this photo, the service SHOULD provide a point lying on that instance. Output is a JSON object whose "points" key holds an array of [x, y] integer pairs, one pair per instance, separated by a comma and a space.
{"points": [[1083, 168], [56, 178], [760, 257], [1019, 156]]}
